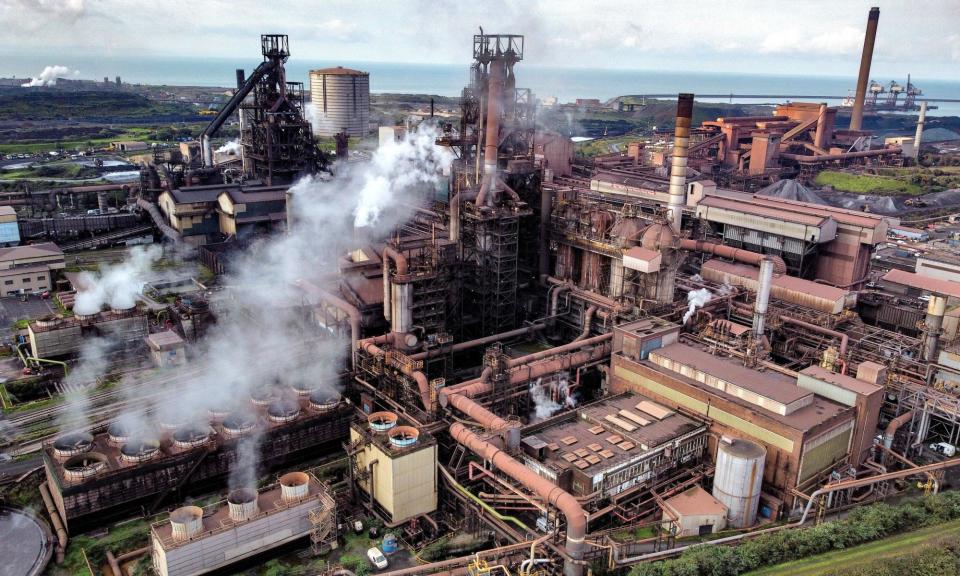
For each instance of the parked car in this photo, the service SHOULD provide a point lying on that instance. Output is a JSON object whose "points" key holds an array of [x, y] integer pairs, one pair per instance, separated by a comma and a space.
{"points": [[377, 558], [944, 448]]}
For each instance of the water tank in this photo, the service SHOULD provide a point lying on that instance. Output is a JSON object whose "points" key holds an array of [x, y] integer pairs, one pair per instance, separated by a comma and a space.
{"points": [[340, 98], [738, 479], [389, 543]]}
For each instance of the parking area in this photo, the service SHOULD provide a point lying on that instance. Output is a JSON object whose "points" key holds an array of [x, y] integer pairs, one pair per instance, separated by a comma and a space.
{"points": [[12, 309]]}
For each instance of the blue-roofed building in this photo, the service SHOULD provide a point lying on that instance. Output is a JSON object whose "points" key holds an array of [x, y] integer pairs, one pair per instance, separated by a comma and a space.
{"points": [[9, 228]]}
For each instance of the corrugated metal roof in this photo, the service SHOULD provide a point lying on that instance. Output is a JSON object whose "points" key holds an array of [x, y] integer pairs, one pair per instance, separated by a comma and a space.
{"points": [[764, 211], [696, 502], [843, 381], [767, 384], [942, 287], [792, 283], [340, 71], [841, 215]]}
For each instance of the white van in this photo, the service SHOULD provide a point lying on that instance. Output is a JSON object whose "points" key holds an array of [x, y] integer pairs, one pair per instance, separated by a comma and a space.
{"points": [[377, 558], [944, 448]]}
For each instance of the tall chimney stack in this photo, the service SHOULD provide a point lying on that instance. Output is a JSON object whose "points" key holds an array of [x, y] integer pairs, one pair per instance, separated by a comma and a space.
{"points": [[856, 117], [678, 165], [918, 138], [763, 297]]}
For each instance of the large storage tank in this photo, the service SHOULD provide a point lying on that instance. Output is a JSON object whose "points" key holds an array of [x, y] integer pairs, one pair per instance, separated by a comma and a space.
{"points": [[340, 98], [738, 479]]}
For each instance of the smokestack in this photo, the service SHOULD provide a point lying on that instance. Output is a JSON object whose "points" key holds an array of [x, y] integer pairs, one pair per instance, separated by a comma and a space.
{"points": [[919, 136], [240, 78], [856, 117], [935, 311], [678, 166], [491, 146], [763, 297], [820, 137]]}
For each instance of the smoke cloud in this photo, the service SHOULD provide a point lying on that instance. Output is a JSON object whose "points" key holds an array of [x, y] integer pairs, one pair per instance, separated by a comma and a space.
{"points": [[231, 147], [696, 299], [551, 397], [49, 76], [266, 340], [117, 285], [93, 363]]}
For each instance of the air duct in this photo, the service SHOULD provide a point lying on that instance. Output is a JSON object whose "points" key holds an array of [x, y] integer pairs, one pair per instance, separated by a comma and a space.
{"points": [[919, 136], [678, 165], [935, 311], [763, 297], [856, 117]]}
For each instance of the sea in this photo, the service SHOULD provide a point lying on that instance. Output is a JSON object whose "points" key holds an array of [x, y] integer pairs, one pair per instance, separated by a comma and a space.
{"points": [[566, 84]]}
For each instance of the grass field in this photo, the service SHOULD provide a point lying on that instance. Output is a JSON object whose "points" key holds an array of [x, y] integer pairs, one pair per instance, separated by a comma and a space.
{"points": [[842, 559], [865, 184]]}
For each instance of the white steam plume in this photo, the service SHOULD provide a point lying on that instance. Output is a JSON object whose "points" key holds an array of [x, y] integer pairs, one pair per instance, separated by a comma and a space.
{"points": [[92, 364], [231, 147], [268, 337], [49, 76], [550, 397], [116, 285], [696, 299]]}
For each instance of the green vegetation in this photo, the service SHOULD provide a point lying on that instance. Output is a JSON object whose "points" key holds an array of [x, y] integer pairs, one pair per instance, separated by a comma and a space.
{"points": [[876, 555], [864, 524], [91, 106], [866, 184], [59, 170], [120, 538], [639, 533], [602, 146]]}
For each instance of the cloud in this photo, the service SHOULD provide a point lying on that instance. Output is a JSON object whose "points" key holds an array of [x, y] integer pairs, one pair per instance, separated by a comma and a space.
{"points": [[953, 42], [340, 30], [845, 40]]}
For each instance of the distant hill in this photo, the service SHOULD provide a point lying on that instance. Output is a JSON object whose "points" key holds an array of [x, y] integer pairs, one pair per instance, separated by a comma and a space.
{"points": [[39, 104]]}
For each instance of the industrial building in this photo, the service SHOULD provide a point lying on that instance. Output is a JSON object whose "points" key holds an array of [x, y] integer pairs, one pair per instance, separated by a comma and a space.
{"points": [[57, 337], [550, 350], [27, 269], [195, 540], [95, 477], [340, 98]]}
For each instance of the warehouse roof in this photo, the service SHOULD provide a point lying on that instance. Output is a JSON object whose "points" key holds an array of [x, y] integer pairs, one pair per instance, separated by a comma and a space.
{"points": [[781, 281], [773, 385], [695, 501], [925, 283], [44, 249], [758, 209], [841, 215]]}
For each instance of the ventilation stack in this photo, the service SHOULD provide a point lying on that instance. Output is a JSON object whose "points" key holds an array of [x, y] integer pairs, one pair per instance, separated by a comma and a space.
{"points": [[186, 522], [856, 117], [678, 165], [294, 486], [242, 504], [763, 297], [919, 136], [935, 311]]}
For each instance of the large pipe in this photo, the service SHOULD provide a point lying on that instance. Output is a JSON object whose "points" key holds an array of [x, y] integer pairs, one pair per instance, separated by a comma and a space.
{"points": [[397, 298], [492, 137], [678, 164], [575, 515], [919, 135], [372, 346], [893, 426], [557, 350], [808, 159], [55, 519], [763, 297], [546, 208], [587, 321], [856, 117], [820, 137], [460, 347], [936, 308], [745, 256], [844, 340]]}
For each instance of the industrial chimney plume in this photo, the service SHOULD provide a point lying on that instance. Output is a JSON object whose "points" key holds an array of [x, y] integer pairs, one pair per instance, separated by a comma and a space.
{"points": [[856, 117]]}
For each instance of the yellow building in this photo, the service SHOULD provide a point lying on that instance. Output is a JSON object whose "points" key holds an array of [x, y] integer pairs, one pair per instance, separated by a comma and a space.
{"points": [[395, 465]]}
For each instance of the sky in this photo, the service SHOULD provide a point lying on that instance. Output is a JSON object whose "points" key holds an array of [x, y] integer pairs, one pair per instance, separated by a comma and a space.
{"points": [[810, 37]]}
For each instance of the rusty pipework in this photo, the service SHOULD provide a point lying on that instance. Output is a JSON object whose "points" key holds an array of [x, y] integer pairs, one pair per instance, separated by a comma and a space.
{"points": [[349, 309], [806, 159], [893, 426], [491, 146], [484, 341], [678, 163], [587, 321], [745, 256], [574, 513], [535, 366], [856, 116], [844, 339], [372, 347]]}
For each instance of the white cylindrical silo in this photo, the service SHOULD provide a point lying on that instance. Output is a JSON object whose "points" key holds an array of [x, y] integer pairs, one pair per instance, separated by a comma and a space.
{"points": [[738, 479], [340, 98]]}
